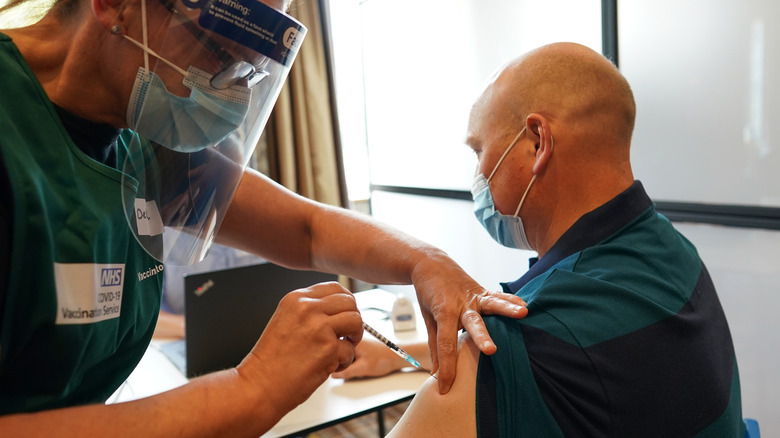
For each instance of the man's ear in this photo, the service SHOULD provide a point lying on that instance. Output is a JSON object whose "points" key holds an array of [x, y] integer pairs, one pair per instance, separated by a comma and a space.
{"points": [[108, 12], [538, 130]]}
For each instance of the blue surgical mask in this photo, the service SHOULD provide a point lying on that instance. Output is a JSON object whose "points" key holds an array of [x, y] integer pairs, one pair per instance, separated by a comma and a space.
{"points": [[185, 124], [504, 229]]}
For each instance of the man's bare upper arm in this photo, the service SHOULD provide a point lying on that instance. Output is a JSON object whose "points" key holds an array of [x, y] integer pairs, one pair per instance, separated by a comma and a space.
{"points": [[453, 414]]}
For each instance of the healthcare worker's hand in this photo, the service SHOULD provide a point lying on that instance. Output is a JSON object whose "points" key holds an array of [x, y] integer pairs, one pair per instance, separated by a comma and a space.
{"points": [[312, 334], [450, 300]]}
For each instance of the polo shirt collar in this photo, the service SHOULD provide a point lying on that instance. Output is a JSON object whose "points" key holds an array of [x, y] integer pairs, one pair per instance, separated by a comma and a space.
{"points": [[589, 230]]}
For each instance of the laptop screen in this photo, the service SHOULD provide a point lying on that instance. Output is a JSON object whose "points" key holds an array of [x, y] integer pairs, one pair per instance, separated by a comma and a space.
{"points": [[227, 310]]}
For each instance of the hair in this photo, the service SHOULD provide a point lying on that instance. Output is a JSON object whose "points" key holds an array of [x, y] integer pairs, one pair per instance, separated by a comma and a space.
{"points": [[10, 5], [18, 13]]}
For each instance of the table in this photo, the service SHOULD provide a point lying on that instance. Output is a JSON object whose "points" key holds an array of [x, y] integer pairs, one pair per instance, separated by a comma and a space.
{"points": [[334, 401]]}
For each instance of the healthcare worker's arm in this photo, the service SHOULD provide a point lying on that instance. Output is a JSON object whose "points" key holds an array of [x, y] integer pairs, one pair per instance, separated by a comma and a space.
{"points": [[274, 223], [312, 334], [452, 414]]}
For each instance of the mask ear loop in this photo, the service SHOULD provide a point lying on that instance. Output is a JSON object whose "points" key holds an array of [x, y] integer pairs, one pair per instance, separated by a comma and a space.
{"points": [[522, 200], [527, 189], [145, 36], [511, 145], [148, 51]]}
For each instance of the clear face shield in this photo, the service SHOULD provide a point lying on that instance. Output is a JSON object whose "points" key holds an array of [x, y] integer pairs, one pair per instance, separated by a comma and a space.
{"points": [[197, 110]]}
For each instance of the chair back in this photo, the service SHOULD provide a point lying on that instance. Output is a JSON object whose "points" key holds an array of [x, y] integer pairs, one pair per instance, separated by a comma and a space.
{"points": [[752, 428]]}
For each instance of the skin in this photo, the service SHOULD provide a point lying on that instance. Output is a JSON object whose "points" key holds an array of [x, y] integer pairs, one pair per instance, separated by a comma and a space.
{"points": [[314, 331], [169, 326], [579, 113], [432, 414]]}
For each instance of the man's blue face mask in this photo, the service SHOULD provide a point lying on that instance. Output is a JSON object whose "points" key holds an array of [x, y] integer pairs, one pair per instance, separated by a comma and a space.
{"points": [[504, 229]]}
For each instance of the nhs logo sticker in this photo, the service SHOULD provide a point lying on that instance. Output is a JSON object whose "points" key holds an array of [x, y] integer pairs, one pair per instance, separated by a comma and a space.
{"points": [[88, 292], [111, 277]]}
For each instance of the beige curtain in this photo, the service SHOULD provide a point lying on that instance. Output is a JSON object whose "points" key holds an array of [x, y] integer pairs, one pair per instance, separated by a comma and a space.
{"points": [[302, 138]]}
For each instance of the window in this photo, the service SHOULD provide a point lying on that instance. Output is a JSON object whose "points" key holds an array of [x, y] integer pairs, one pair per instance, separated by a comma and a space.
{"points": [[706, 99], [407, 73]]}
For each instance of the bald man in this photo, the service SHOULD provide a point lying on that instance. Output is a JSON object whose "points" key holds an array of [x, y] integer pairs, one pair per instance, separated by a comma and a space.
{"points": [[625, 336]]}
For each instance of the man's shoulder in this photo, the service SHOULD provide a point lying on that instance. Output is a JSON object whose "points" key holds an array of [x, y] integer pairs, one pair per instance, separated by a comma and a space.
{"points": [[453, 414]]}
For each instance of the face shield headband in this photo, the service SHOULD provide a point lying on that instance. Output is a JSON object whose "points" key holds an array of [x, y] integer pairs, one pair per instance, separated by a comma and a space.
{"points": [[198, 107]]}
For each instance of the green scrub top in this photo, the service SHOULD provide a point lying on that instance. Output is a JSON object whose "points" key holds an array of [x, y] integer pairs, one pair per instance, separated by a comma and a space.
{"points": [[82, 297]]}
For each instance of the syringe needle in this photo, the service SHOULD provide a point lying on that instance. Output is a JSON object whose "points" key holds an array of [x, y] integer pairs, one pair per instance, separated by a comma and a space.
{"points": [[414, 362], [396, 349]]}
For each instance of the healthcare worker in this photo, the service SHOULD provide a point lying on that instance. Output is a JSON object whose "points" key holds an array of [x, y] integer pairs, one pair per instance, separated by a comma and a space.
{"points": [[125, 131]]}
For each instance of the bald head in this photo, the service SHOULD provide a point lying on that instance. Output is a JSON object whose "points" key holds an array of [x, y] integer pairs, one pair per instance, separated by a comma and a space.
{"points": [[568, 114], [569, 83]]}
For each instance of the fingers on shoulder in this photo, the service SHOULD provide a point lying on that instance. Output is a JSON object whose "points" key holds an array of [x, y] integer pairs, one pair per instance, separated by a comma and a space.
{"points": [[501, 303]]}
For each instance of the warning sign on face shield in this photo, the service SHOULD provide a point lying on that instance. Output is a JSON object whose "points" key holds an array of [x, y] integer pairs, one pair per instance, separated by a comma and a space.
{"points": [[253, 24]]}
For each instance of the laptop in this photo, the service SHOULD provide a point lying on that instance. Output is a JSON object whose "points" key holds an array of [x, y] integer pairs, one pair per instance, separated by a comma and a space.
{"points": [[226, 310]]}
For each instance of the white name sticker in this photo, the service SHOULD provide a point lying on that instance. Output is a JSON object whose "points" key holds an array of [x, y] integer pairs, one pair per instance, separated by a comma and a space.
{"points": [[88, 292], [147, 218]]}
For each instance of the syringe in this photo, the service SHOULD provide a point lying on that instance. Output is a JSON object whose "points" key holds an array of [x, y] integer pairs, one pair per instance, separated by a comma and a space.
{"points": [[398, 350]]}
